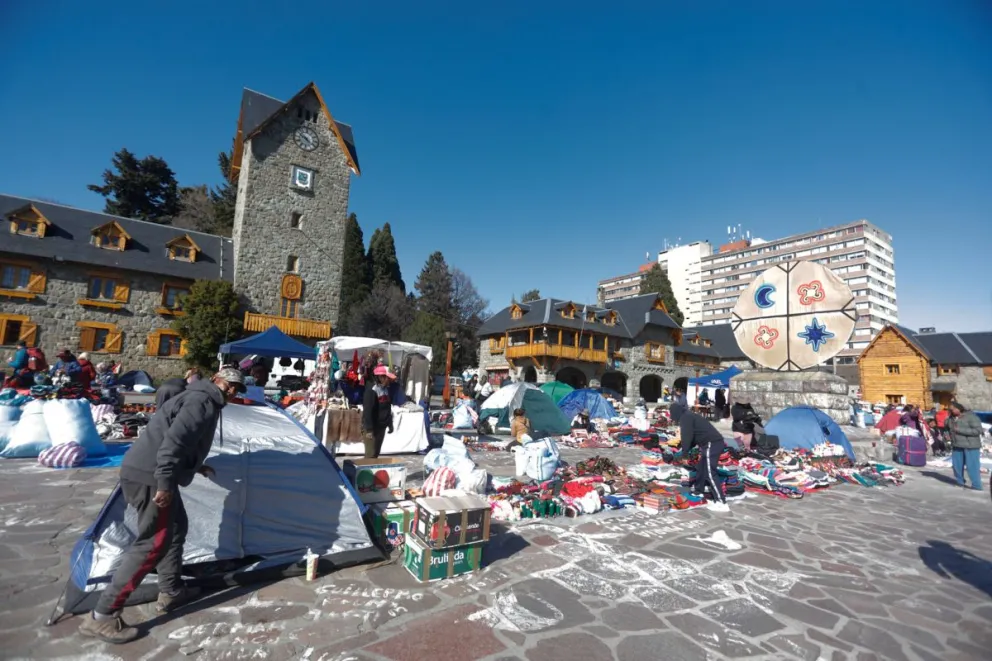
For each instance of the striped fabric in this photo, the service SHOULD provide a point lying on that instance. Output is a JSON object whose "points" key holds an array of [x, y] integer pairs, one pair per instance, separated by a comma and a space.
{"points": [[439, 481], [65, 455]]}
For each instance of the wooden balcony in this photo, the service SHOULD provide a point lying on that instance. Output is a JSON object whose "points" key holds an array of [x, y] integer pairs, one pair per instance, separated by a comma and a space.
{"points": [[686, 362], [256, 323], [540, 349]]}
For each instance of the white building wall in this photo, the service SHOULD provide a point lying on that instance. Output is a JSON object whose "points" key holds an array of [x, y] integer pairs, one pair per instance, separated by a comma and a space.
{"points": [[683, 265]]}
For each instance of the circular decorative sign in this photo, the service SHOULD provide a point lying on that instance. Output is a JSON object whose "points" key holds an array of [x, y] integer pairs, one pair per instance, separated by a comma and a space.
{"points": [[794, 316]]}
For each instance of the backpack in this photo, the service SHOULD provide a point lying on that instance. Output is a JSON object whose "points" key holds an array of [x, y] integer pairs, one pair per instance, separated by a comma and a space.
{"points": [[36, 360]]}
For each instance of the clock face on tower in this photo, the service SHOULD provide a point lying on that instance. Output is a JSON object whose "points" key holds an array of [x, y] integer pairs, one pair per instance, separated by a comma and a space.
{"points": [[306, 139]]}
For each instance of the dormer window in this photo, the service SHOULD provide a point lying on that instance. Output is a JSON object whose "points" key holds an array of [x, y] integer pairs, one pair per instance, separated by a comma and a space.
{"points": [[28, 221], [660, 305], [568, 311], [110, 236], [590, 316], [611, 318], [183, 249], [516, 312]]}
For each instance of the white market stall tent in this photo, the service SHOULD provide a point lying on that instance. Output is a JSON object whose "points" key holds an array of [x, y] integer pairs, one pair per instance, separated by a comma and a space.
{"points": [[411, 363]]}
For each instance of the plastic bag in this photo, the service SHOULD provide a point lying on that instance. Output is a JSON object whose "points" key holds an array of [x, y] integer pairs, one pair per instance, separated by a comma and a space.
{"points": [[542, 459], [64, 455], [474, 481], [9, 413], [452, 454], [462, 418], [71, 421], [30, 435]]}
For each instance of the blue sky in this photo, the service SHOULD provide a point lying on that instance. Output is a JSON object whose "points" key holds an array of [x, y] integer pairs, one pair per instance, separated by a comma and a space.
{"points": [[552, 147]]}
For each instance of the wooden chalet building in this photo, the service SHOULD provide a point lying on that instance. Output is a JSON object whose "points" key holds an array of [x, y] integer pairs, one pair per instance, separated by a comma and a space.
{"points": [[631, 346], [902, 366]]}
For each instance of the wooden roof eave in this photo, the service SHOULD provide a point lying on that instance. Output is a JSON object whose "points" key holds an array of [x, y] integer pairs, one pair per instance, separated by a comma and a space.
{"points": [[184, 237], [32, 209], [115, 225], [898, 332]]}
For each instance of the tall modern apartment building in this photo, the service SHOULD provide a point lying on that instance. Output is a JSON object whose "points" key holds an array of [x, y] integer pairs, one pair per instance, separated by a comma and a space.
{"points": [[859, 252], [707, 283]]}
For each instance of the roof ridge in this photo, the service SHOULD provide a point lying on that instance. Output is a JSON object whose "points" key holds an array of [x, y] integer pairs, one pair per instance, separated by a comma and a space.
{"points": [[967, 348], [110, 215], [264, 94]]}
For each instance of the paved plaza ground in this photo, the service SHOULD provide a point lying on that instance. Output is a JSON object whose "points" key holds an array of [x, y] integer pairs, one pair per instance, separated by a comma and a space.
{"points": [[850, 573]]}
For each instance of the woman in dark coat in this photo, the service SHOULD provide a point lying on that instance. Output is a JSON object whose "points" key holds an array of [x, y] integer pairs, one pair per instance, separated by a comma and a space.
{"points": [[720, 404]]}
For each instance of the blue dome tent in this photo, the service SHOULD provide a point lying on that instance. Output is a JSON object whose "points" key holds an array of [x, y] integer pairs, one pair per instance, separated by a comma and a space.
{"points": [[804, 427], [585, 398]]}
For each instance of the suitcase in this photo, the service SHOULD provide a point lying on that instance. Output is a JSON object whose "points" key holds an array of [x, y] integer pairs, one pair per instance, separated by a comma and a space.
{"points": [[911, 451]]}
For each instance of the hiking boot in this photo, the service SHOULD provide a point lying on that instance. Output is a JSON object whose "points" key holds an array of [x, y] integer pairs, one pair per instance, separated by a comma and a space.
{"points": [[168, 602], [113, 630]]}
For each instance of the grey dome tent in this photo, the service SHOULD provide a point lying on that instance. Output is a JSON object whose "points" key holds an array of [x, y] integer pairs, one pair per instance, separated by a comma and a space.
{"points": [[276, 494]]}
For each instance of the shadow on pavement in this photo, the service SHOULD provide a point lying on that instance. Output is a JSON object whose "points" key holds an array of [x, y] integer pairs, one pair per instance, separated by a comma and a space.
{"points": [[946, 479], [949, 562]]}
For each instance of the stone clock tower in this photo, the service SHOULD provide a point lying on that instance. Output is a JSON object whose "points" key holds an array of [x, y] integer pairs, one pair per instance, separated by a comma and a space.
{"points": [[293, 164]]}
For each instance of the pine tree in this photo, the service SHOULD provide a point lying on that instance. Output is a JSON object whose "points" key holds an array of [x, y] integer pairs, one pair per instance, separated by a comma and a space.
{"points": [[144, 189], [656, 282], [530, 295], [355, 276], [428, 330], [383, 263], [211, 317], [224, 198], [434, 286]]}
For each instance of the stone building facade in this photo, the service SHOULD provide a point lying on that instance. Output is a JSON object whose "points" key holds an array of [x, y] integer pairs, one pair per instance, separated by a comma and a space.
{"points": [[111, 286], [631, 346]]}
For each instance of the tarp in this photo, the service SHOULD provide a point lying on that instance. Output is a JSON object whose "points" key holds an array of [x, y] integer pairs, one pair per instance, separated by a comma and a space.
{"points": [[540, 409], [277, 493], [272, 343], [128, 380], [718, 380], [804, 427], [556, 389], [346, 346], [586, 398]]}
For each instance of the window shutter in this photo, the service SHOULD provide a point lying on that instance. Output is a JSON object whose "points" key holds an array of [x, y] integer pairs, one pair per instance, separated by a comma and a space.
{"points": [[87, 337], [151, 348], [115, 339], [121, 290], [29, 333], [36, 283]]}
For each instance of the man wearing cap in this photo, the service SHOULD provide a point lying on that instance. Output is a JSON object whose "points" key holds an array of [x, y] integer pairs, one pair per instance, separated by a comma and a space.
{"points": [[167, 456], [377, 412]]}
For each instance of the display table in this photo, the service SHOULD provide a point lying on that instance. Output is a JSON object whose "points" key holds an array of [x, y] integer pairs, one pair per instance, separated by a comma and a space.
{"points": [[409, 436]]}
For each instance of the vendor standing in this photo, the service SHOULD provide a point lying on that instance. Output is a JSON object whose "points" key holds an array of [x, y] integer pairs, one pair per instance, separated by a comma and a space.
{"points": [[966, 439], [696, 431], [377, 411]]}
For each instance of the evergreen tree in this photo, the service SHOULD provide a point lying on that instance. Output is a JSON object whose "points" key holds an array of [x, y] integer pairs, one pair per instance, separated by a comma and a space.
{"points": [[212, 317], [224, 198], [435, 288], [144, 189], [531, 295], [428, 330], [386, 313], [656, 282], [355, 276], [383, 263]]}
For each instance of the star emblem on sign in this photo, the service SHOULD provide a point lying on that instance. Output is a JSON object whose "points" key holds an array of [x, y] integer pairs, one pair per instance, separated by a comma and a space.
{"points": [[765, 337], [816, 335]]}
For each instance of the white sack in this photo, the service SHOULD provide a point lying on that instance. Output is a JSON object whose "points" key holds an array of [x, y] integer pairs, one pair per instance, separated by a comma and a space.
{"points": [[473, 481], [9, 413], [71, 421], [30, 435]]}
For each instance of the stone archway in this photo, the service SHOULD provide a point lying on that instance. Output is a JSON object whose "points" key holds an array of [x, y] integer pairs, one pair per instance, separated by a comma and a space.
{"points": [[615, 381], [650, 388], [573, 376], [530, 374], [681, 383]]}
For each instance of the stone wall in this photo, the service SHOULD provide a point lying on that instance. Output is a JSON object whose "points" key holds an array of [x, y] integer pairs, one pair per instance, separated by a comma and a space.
{"points": [[56, 314], [972, 388], [771, 392], [263, 237]]}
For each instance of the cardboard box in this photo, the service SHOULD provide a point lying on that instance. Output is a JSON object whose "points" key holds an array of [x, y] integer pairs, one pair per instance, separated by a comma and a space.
{"points": [[377, 480], [428, 564], [391, 522], [444, 522]]}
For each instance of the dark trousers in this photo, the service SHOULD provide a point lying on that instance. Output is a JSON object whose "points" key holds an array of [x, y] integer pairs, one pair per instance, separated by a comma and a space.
{"points": [[373, 442], [159, 545], [706, 475]]}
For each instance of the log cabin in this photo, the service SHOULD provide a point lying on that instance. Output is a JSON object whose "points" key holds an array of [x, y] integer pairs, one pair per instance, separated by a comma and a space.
{"points": [[902, 366]]}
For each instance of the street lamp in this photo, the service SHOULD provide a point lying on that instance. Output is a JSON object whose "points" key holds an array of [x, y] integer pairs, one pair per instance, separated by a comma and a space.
{"points": [[446, 395]]}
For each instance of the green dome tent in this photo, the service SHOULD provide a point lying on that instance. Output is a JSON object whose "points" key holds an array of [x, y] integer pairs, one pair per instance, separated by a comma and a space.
{"points": [[541, 410], [556, 390]]}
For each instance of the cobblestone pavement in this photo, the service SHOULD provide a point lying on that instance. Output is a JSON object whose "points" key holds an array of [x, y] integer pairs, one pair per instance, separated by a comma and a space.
{"points": [[851, 573]]}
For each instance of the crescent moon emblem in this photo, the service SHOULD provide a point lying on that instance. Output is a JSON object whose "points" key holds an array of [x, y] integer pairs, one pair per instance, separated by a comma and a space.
{"points": [[763, 296]]}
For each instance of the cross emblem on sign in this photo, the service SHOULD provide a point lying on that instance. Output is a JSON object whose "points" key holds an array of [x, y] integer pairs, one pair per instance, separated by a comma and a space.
{"points": [[765, 337]]}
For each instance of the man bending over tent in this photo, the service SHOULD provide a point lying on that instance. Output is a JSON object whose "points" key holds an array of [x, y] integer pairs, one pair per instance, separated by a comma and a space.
{"points": [[697, 431], [169, 454]]}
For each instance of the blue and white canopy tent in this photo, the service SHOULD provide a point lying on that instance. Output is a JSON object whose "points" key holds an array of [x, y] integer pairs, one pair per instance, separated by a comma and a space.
{"points": [[711, 382], [271, 343]]}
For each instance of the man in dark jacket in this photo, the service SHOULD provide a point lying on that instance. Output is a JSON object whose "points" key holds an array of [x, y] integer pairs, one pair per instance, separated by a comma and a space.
{"points": [[167, 456], [697, 431], [966, 438]]}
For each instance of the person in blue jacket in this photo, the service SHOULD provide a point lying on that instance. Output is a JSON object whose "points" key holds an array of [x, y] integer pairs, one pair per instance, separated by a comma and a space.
{"points": [[18, 365], [67, 365]]}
